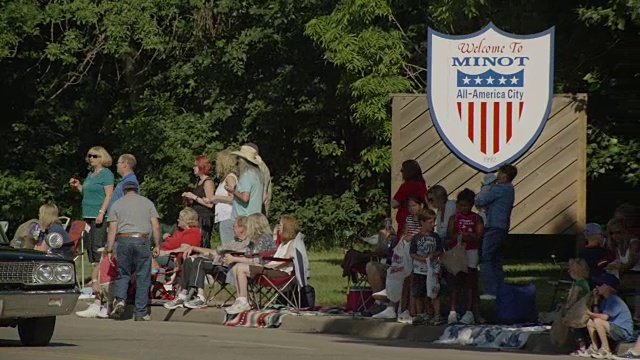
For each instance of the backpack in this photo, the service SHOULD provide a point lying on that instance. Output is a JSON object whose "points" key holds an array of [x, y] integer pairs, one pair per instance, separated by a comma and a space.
{"points": [[26, 229]]}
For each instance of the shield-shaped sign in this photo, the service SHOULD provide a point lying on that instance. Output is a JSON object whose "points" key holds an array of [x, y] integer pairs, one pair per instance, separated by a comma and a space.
{"points": [[490, 92]]}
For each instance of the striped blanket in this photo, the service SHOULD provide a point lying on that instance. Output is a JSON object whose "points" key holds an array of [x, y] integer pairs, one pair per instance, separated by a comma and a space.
{"points": [[257, 318]]}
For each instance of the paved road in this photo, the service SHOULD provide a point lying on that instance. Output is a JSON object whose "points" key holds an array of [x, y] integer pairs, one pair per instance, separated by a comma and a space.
{"points": [[93, 339]]}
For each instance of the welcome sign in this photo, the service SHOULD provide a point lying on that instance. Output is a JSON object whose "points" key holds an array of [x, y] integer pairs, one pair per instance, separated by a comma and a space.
{"points": [[490, 92]]}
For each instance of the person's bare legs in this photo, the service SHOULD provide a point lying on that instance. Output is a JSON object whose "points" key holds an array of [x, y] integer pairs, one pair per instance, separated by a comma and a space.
{"points": [[602, 328], [406, 295], [593, 335], [240, 276], [375, 277]]}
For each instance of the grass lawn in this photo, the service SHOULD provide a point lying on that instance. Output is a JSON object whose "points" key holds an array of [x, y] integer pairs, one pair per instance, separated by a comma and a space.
{"points": [[331, 287]]}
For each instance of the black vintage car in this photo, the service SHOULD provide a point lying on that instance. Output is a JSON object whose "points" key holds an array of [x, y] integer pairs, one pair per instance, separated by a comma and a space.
{"points": [[34, 288]]}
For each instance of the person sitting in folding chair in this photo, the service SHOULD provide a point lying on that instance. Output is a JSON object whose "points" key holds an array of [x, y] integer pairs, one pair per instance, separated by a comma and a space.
{"points": [[188, 233], [242, 272], [261, 243], [198, 261]]}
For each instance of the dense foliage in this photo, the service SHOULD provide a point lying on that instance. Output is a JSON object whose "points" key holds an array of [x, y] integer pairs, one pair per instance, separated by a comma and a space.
{"points": [[307, 80]]}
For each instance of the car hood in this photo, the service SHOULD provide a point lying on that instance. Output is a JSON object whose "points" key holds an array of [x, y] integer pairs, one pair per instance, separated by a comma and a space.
{"points": [[7, 253]]}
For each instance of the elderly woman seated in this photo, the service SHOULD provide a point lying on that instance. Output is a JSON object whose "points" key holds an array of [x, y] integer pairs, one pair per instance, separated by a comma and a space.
{"points": [[187, 233], [252, 234], [242, 272]]}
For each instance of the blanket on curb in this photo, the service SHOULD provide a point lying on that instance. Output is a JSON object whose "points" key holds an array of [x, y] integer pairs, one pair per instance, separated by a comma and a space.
{"points": [[257, 318], [489, 336]]}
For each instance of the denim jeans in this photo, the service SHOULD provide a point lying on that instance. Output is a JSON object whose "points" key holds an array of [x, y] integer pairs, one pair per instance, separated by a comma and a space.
{"points": [[134, 257], [226, 231], [491, 273]]}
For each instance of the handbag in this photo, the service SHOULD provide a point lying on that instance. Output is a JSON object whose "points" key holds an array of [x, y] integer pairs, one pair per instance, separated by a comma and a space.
{"points": [[560, 334], [576, 316], [455, 260]]}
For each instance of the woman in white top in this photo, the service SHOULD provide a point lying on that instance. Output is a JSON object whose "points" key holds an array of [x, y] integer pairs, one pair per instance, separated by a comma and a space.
{"points": [[626, 266], [242, 272], [438, 200], [226, 170]]}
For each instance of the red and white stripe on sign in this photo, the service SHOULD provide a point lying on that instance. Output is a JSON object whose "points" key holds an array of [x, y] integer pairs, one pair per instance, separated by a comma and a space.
{"points": [[489, 124]]}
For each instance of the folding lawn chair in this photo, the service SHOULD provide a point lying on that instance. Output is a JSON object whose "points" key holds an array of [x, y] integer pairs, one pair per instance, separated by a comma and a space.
{"points": [[561, 283], [217, 277], [267, 290], [77, 231]]}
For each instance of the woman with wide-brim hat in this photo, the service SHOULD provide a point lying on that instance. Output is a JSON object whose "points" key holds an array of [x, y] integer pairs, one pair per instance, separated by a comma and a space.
{"points": [[247, 194]]}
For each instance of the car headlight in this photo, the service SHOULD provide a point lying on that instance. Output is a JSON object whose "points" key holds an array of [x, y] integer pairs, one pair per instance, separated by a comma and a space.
{"points": [[53, 273], [44, 274], [64, 273], [54, 240]]}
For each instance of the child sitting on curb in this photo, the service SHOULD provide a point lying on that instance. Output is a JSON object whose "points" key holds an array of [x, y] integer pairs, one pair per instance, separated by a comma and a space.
{"points": [[579, 272], [594, 252], [611, 321], [103, 283]]}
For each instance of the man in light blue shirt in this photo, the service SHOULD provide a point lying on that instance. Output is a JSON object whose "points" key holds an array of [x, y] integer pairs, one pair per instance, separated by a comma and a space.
{"points": [[125, 167], [498, 198], [248, 194]]}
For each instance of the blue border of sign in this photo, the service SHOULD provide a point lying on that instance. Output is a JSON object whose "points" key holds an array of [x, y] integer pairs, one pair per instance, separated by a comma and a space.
{"points": [[436, 122]]}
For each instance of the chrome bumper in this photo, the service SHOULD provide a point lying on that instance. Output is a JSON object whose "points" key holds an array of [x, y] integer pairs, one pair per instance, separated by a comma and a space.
{"points": [[29, 304]]}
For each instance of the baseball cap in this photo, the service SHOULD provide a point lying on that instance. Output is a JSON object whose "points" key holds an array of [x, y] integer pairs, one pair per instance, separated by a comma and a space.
{"points": [[592, 229], [607, 279], [130, 185]]}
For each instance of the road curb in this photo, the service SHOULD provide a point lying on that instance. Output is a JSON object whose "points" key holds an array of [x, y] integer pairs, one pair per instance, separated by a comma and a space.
{"points": [[341, 325]]}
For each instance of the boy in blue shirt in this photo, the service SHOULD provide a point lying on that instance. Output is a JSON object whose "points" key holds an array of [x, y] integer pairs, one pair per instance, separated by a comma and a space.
{"points": [[612, 321]]}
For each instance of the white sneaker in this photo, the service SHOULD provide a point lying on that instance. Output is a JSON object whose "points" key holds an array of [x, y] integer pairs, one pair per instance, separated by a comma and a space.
{"points": [[91, 312], [103, 313], [452, 318], [405, 318], [380, 295], [404, 314], [388, 313], [468, 318], [241, 305]]}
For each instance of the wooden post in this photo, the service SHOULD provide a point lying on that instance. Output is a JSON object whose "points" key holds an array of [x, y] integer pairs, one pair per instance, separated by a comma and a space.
{"points": [[581, 199]]}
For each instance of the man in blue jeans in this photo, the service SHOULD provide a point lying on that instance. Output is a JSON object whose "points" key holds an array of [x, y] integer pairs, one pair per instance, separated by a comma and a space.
{"points": [[132, 219], [498, 198]]}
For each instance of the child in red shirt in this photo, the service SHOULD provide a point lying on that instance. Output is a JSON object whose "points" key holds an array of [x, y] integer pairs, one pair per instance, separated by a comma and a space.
{"points": [[468, 227]]}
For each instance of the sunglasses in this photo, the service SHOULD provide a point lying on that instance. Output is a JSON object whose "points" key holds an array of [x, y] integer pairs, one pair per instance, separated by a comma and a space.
{"points": [[93, 156]]}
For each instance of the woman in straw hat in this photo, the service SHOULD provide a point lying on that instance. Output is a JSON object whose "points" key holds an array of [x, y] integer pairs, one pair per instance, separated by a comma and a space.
{"points": [[248, 193]]}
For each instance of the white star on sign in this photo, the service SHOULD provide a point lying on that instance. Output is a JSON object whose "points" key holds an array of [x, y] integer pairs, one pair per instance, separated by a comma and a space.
{"points": [[478, 80], [514, 80], [489, 80], [466, 79], [502, 80]]}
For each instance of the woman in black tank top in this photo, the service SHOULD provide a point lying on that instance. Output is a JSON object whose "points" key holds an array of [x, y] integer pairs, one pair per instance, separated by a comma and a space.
{"points": [[199, 198]]}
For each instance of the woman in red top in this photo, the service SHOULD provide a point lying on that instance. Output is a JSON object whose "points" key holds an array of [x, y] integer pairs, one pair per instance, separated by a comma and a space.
{"points": [[413, 185], [467, 227], [188, 232]]}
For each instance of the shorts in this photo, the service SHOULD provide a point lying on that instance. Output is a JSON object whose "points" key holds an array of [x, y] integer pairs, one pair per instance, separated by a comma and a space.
{"points": [[418, 285], [255, 270], [473, 258], [97, 238], [616, 333]]}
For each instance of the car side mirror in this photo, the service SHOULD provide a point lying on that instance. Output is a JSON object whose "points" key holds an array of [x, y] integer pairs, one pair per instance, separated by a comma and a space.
{"points": [[4, 225]]}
